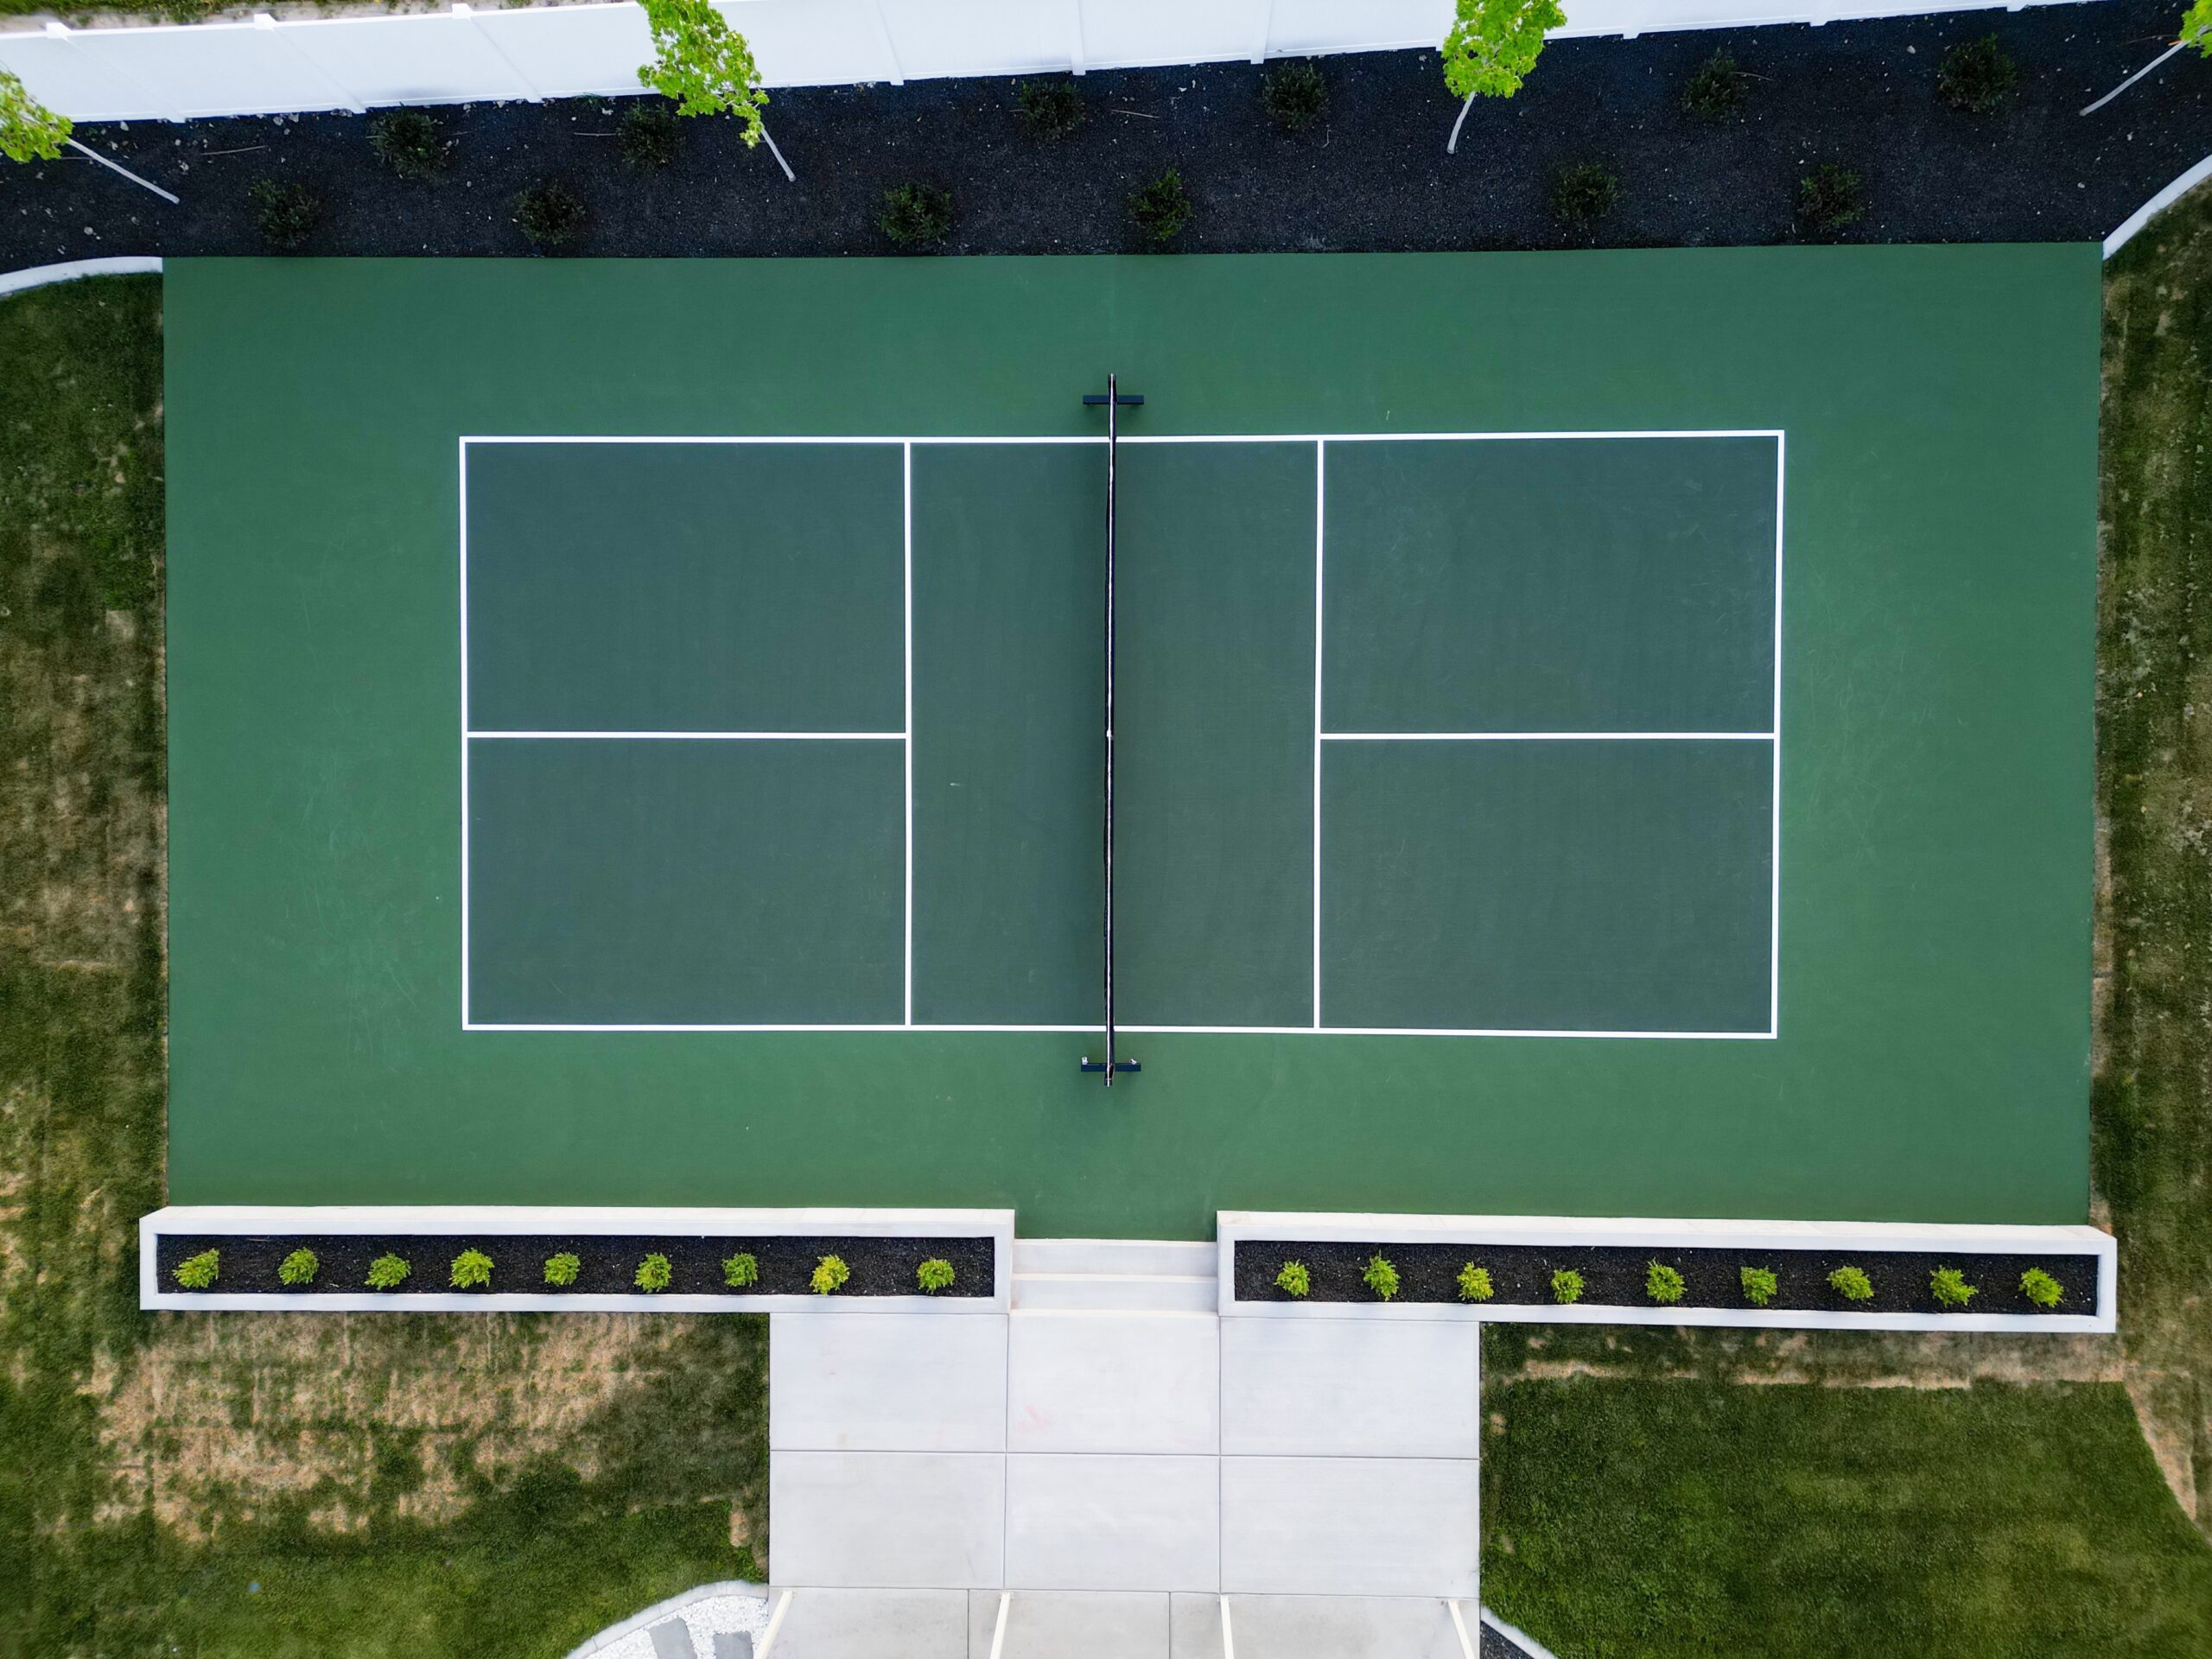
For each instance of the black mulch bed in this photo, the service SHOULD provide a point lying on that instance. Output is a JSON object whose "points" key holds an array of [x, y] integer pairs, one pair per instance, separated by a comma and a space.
{"points": [[880, 1267], [1373, 175], [1520, 1276]]}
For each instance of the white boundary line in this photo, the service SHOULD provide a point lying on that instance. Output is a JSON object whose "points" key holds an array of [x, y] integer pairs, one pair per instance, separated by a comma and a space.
{"points": [[1320, 442]]}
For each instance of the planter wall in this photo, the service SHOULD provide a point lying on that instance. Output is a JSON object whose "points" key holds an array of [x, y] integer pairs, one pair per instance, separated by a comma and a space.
{"points": [[1522, 1252], [880, 1247]]}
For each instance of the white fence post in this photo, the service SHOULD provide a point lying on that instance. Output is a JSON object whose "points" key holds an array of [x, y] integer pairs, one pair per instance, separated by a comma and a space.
{"points": [[1263, 21], [262, 20], [467, 14], [1078, 60], [166, 108], [890, 46]]}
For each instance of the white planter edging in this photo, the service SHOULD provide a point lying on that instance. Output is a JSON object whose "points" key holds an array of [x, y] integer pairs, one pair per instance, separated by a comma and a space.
{"points": [[2157, 204], [1644, 1232], [133, 265], [660, 1609], [494, 1221]]}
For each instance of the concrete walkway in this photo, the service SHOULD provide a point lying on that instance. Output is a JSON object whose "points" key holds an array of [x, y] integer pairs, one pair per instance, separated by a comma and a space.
{"points": [[1130, 1467]]}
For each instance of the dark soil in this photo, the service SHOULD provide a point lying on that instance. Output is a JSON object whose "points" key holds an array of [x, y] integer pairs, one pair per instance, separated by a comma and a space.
{"points": [[1372, 175], [880, 1267], [1520, 1276]]}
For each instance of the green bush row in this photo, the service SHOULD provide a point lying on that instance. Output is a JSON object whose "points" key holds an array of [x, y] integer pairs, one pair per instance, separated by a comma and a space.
{"points": [[472, 1270], [1664, 1284]]}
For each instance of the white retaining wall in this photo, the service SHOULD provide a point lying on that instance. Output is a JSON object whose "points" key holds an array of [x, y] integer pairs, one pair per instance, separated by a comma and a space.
{"points": [[465, 55]]}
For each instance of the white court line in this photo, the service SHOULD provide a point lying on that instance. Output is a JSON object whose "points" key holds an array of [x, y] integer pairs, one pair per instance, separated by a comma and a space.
{"points": [[906, 532], [1774, 858], [1320, 544], [1154, 1031], [688, 737], [464, 733], [1548, 737], [789, 441]]}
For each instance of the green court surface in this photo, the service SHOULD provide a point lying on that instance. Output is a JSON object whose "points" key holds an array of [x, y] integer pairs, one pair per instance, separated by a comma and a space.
{"points": [[636, 733]]}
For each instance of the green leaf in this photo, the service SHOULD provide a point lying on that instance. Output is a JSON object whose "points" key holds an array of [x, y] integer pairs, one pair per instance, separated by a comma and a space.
{"points": [[702, 63], [1495, 43]]}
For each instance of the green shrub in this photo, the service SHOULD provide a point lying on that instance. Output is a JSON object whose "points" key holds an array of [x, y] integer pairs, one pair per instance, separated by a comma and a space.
{"points": [[550, 214], [1949, 1286], [1852, 1284], [1716, 88], [934, 1274], [1381, 1277], [298, 1268], [1585, 191], [471, 1269], [1759, 1284], [654, 1272], [407, 142], [829, 1273], [561, 1270], [1162, 207], [289, 213], [1050, 109], [1976, 77], [1662, 1283], [2041, 1288], [915, 215], [1830, 197], [1294, 1280], [388, 1273], [1295, 96], [649, 135], [1566, 1286], [198, 1272], [1474, 1283], [741, 1270]]}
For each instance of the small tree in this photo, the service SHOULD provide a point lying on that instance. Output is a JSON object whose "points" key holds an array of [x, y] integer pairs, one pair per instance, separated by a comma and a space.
{"points": [[29, 131], [1492, 47], [704, 64]]}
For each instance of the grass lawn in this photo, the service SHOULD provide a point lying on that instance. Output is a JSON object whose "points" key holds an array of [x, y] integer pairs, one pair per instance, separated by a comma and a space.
{"points": [[263, 1484], [1667, 1518]]}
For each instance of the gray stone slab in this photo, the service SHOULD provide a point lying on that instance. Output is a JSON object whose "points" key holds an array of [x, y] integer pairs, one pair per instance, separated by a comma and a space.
{"points": [[1349, 1525], [733, 1644], [886, 1382], [1350, 1387], [1344, 1627], [1113, 1382], [1112, 1522], [671, 1639], [888, 1519], [1071, 1624], [1194, 1620], [874, 1624]]}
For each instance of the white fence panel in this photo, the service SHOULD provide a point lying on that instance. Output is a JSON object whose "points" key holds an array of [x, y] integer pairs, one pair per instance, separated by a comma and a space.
{"points": [[1006, 37], [458, 56], [447, 59]]}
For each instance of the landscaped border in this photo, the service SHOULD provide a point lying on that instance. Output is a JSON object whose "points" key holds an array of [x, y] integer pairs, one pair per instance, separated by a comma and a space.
{"points": [[1760, 1242], [208, 1225]]}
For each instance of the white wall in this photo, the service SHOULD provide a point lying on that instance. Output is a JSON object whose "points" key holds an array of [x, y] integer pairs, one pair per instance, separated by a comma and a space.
{"points": [[461, 56]]}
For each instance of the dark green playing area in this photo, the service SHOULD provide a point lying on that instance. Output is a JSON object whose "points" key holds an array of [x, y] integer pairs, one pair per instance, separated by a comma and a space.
{"points": [[637, 733]]}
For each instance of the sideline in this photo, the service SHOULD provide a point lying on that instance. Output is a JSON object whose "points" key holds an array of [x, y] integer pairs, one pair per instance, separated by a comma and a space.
{"points": [[2157, 204], [17, 281]]}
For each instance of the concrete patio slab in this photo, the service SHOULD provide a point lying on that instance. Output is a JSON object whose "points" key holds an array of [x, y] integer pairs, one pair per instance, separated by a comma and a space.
{"points": [[1131, 1383], [1072, 1625], [1344, 1627], [1349, 1525], [1194, 1623], [1349, 1388], [1112, 1522], [896, 1383], [888, 1519], [874, 1624]]}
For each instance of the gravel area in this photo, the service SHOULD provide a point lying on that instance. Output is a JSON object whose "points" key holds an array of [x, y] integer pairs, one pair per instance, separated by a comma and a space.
{"points": [[1373, 175]]}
